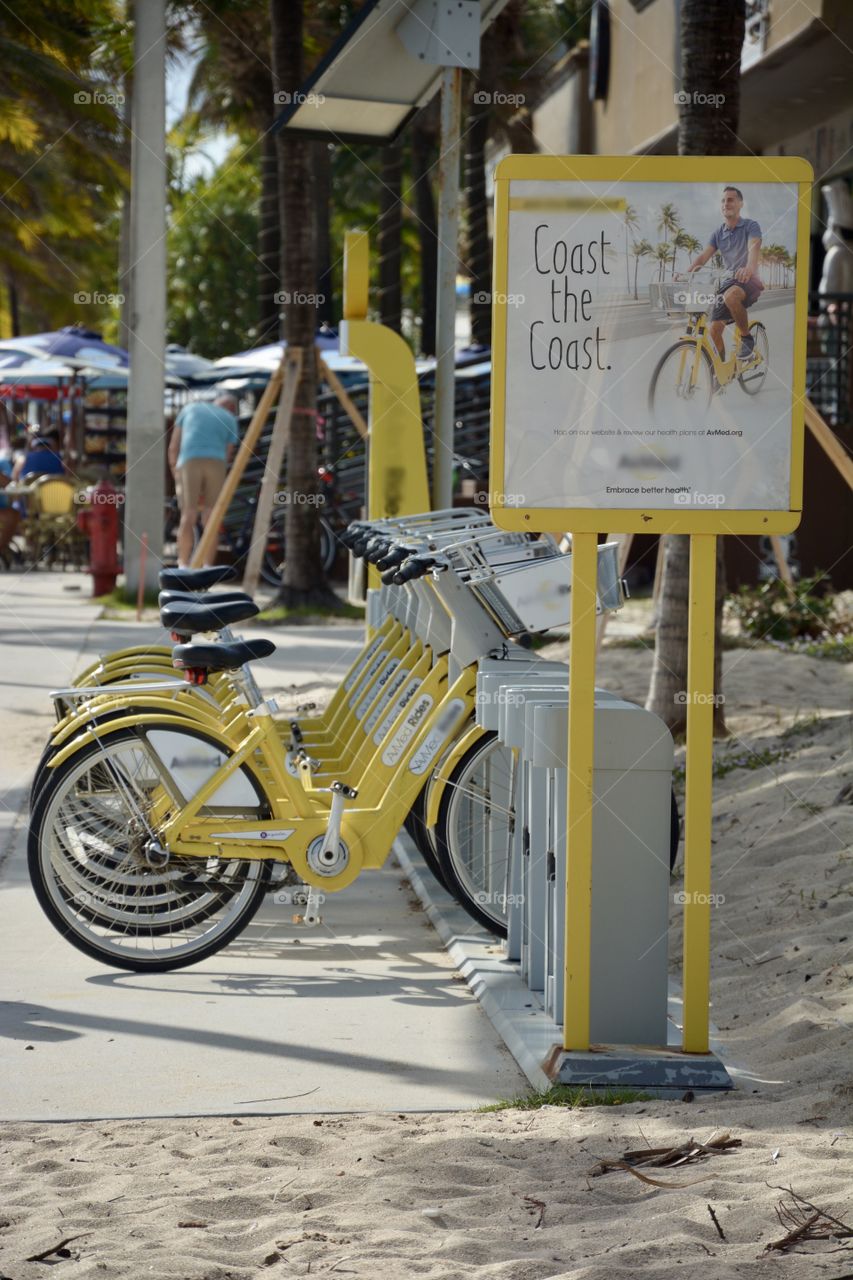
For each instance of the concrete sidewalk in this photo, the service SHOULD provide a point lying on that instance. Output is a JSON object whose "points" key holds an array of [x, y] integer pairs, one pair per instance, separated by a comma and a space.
{"points": [[364, 1013]]}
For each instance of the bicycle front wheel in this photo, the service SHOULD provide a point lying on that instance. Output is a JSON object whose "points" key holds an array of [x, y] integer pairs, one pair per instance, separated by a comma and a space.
{"points": [[95, 880], [682, 383], [474, 832]]}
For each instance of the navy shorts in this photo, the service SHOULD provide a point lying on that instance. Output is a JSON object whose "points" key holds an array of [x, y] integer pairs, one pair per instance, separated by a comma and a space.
{"points": [[752, 289]]}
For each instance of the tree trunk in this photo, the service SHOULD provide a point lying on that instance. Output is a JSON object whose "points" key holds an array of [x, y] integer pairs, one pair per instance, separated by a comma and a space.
{"points": [[323, 180], [269, 244], [390, 237], [14, 308], [479, 247], [711, 40], [423, 155], [303, 580]]}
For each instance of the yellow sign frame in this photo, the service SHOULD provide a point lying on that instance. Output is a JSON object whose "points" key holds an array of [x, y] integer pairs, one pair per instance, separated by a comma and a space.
{"points": [[628, 169], [585, 524]]}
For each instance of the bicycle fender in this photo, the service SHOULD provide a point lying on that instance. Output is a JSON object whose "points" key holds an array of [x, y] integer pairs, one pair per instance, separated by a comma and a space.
{"points": [[123, 655], [91, 733], [442, 775]]}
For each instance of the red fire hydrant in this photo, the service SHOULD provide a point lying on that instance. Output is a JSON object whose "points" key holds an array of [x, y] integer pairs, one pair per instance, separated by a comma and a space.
{"points": [[100, 523]]}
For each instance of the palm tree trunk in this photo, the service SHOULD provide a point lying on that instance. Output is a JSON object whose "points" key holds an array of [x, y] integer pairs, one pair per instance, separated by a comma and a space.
{"points": [[269, 243], [323, 188], [303, 581], [711, 39], [390, 237], [423, 155], [479, 246]]}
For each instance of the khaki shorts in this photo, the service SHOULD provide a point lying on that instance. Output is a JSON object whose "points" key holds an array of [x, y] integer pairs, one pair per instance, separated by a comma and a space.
{"points": [[198, 482]]}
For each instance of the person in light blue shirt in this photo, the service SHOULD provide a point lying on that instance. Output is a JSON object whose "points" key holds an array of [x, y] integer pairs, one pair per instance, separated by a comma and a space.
{"points": [[202, 445]]}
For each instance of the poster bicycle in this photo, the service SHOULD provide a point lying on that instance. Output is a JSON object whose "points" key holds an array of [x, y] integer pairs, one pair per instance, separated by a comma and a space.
{"points": [[649, 342]]}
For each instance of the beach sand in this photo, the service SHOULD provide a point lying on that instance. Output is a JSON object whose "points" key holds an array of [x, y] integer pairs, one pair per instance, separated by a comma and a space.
{"points": [[510, 1194]]}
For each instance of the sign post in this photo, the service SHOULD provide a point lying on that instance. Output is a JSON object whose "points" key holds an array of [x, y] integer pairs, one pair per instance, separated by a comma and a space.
{"points": [[662, 392]]}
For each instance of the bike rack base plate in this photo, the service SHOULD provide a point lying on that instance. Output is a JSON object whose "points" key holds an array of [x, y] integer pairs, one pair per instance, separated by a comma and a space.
{"points": [[661, 1071]]}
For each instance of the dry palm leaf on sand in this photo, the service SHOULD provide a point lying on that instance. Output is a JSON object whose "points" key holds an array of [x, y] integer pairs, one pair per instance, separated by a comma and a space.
{"points": [[689, 1152]]}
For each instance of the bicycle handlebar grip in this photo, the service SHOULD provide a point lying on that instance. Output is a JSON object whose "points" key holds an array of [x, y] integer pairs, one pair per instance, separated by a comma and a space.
{"points": [[376, 549], [415, 567], [396, 555]]}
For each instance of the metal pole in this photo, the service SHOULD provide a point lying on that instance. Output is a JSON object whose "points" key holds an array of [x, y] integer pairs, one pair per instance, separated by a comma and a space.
{"points": [[445, 327], [143, 512]]}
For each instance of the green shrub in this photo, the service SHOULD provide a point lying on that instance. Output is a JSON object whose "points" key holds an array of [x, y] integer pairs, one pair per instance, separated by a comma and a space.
{"points": [[771, 612]]}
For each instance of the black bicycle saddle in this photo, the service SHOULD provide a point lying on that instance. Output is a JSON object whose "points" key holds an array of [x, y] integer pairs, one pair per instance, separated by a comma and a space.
{"points": [[184, 618], [195, 579], [201, 656]]}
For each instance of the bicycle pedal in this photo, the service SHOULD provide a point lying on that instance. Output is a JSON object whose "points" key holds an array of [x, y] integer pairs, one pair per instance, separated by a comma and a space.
{"points": [[309, 920]]}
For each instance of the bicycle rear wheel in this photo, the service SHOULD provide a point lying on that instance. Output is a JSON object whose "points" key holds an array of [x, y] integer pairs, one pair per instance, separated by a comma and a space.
{"points": [[97, 885], [272, 564]]}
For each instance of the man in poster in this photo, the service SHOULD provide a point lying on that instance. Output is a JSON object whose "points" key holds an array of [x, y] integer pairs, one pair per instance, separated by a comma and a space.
{"points": [[738, 242]]}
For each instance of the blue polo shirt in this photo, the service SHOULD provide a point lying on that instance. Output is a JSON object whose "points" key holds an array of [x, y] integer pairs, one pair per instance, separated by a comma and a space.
{"points": [[206, 431], [42, 462], [732, 243]]}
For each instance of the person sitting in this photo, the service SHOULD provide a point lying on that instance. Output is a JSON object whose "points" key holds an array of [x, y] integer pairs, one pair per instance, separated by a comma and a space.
{"points": [[10, 519], [40, 458]]}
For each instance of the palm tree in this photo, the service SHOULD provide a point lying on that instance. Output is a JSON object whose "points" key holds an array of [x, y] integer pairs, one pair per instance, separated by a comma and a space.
{"points": [[639, 249], [629, 221], [303, 581], [682, 240], [668, 221], [63, 157], [711, 40], [662, 253]]}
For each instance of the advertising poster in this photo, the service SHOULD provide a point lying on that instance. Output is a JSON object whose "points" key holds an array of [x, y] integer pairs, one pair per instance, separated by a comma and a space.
{"points": [[649, 338]]}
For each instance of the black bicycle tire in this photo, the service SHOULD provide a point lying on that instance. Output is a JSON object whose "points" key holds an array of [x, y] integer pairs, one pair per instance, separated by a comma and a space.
{"points": [[272, 574], [415, 824], [452, 881], [88, 947]]}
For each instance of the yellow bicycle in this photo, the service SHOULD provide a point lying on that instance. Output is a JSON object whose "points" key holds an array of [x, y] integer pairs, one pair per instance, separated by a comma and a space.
{"points": [[691, 371]]}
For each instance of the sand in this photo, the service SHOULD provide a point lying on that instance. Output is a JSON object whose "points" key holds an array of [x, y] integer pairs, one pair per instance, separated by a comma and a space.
{"points": [[509, 1194]]}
